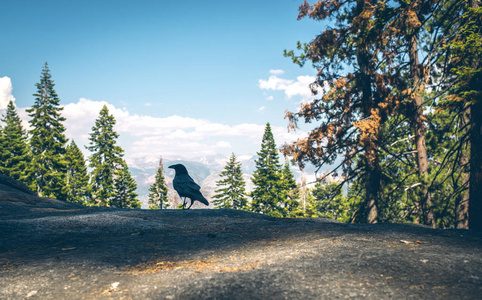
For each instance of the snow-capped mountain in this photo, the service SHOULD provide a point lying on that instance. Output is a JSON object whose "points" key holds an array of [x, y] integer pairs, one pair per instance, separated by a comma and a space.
{"points": [[204, 171]]}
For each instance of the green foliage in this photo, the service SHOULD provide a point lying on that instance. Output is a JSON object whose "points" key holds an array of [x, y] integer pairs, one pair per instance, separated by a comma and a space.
{"points": [[158, 191], [77, 177], [400, 181], [290, 192], [231, 192], [125, 195], [449, 168], [462, 61], [306, 207], [330, 202], [14, 152], [106, 158], [47, 141]]}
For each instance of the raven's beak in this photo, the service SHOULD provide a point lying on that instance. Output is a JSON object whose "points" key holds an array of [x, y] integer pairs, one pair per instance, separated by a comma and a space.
{"points": [[171, 167]]}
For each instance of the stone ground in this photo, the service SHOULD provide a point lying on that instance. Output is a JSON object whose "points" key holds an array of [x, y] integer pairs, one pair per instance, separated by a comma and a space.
{"points": [[56, 250]]}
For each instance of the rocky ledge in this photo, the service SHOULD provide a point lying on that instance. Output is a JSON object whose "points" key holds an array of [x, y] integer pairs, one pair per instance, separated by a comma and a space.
{"points": [[55, 250]]}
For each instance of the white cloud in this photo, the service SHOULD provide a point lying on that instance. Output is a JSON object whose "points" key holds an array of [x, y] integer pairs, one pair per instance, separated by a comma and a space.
{"points": [[223, 144], [299, 87], [276, 72], [145, 138], [269, 98], [244, 158], [261, 109], [5, 92], [274, 83]]}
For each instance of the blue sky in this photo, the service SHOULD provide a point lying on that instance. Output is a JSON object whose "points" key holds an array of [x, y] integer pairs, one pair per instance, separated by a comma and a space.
{"points": [[184, 79]]}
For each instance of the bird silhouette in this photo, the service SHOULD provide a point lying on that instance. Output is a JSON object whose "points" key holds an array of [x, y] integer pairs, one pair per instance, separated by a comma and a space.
{"points": [[186, 187]]}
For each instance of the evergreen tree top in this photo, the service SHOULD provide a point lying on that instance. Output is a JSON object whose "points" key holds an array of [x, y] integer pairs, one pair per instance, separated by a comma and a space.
{"points": [[103, 136], [158, 191], [73, 144], [231, 192], [11, 117], [73, 147], [268, 155], [45, 89]]}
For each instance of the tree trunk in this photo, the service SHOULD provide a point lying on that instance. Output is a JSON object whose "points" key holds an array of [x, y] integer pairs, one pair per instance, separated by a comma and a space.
{"points": [[462, 200], [372, 162], [419, 131], [462, 211], [372, 186], [372, 183], [475, 194]]}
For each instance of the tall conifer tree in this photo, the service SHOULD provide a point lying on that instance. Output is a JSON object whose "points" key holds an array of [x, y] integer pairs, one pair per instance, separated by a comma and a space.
{"points": [[158, 191], [460, 61], [231, 192], [290, 190], [77, 179], [105, 159], [47, 139], [267, 196], [125, 195], [14, 153], [354, 107]]}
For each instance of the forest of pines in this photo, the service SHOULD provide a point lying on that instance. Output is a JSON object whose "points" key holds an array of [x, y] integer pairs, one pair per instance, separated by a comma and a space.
{"points": [[397, 117]]}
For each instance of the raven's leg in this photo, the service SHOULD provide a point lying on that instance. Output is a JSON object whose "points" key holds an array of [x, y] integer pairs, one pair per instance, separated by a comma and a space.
{"points": [[184, 203], [192, 201]]}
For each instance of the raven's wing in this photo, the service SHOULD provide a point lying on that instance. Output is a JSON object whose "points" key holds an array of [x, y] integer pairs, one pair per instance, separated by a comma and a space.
{"points": [[186, 187]]}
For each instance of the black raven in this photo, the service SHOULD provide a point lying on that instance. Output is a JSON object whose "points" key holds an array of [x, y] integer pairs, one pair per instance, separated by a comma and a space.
{"points": [[186, 187]]}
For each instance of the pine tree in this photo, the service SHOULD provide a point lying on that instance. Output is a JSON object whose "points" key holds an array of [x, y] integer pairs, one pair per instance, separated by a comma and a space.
{"points": [[47, 139], [125, 195], [14, 152], [105, 159], [267, 196], [405, 31], [354, 106], [231, 192], [77, 178], [158, 191], [290, 191]]}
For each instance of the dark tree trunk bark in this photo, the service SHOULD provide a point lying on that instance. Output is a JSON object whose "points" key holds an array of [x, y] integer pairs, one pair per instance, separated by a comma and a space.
{"points": [[462, 200], [372, 186], [475, 194], [418, 127], [462, 211]]}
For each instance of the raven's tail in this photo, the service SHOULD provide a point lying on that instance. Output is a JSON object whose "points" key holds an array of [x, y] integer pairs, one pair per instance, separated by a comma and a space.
{"points": [[203, 200]]}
